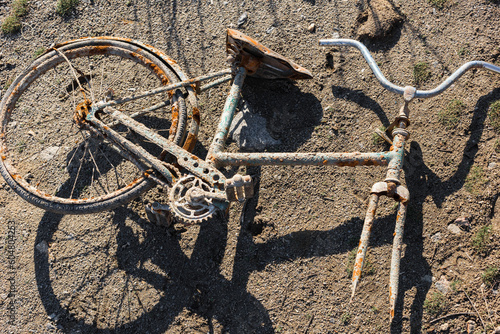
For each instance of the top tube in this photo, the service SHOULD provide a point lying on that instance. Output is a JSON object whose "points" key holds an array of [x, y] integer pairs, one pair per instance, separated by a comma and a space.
{"points": [[398, 89]]}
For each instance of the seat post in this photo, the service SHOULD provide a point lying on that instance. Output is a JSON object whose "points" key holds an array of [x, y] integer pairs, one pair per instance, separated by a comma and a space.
{"points": [[226, 118]]}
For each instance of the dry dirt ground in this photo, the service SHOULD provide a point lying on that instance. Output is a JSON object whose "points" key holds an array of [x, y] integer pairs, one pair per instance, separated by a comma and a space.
{"points": [[281, 263]]}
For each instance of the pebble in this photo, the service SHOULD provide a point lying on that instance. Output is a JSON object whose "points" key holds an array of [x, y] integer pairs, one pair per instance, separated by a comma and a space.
{"points": [[335, 35], [43, 247], [312, 27], [492, 165], [444, 327], [443, 285], [243, 19], [49, 153], [463, 223], [454, 229], [269, 30], [436, 237], [427, 278], [470, 326]]}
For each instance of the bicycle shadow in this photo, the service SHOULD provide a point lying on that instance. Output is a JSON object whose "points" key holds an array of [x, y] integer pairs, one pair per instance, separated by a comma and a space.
{"points": [[291, 115], [422, 181], [195, 282]]}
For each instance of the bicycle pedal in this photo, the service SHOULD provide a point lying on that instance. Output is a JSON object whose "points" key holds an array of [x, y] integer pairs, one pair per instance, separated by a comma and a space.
{"points": [[159, 214], [239, 188]]}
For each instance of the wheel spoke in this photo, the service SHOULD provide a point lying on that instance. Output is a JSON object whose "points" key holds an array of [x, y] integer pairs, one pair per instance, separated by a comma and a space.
{"points": [[49, 141]]}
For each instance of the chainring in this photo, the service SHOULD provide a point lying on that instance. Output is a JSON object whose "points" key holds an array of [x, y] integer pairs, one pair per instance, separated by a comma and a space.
{"points": [[188, 211]]}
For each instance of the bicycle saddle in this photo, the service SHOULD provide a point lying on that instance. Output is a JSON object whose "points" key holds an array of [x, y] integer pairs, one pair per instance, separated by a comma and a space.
{"points": [[259, 61]]}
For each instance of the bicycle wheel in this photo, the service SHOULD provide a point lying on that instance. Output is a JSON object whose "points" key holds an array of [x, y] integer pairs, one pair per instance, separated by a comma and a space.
{"points": [[52, 161]]}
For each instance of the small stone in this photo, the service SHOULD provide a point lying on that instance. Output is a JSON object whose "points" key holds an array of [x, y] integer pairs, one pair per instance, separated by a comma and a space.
{"points": [[249, 131], [270, 29], [436, 237], [454, 229], [492, 165], [463, 223], [470, 326], [53, 317], [335, 35], [443, 285], [312, 27], [444, 327], [243, 19], [49, 153], [43, 247], [4, 296], [427, 278]]}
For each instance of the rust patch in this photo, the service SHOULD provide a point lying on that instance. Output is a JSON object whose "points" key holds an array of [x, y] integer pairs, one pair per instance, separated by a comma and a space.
{"points": [[175, 120], [164, 79], [81, 112], [196, 115], [190, 142], [349, 163], [99, 49]]}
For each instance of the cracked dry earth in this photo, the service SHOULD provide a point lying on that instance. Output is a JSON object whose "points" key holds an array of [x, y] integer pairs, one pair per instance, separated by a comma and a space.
{"points": [[281, 263]]}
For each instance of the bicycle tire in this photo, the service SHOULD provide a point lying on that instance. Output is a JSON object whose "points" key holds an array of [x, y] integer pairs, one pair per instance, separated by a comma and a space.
{"points": [[51, 83]]}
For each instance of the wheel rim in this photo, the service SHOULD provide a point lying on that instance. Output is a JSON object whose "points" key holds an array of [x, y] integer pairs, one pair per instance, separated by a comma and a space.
{"points": [[53, 157]]}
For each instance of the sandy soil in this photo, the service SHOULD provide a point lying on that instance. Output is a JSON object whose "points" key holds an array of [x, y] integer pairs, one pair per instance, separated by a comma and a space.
{"points": [[280, 263]]}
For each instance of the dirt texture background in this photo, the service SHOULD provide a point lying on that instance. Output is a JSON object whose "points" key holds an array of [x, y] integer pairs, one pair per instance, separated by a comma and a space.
{"points": [[281, 263]]}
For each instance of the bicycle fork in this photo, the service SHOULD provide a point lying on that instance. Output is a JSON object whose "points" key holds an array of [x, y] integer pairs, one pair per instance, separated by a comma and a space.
{"points": [[390, 187]]}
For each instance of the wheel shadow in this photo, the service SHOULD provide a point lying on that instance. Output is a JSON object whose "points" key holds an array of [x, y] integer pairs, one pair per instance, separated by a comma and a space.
{"points": [[187, 283]]}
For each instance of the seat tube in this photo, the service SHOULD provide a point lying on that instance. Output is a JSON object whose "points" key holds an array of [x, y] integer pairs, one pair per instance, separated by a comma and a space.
{"points": [[227, 116]]}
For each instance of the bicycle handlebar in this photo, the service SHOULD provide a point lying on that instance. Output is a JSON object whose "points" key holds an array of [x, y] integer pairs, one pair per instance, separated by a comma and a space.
{"points": [[398, 89]]}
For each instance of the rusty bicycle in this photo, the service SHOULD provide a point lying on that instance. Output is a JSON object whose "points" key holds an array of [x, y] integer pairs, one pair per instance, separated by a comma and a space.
{"points": [[95, 122]]}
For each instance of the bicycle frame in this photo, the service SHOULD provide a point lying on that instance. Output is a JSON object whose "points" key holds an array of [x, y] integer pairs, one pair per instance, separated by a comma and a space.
{"points": [[208, 171]]}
